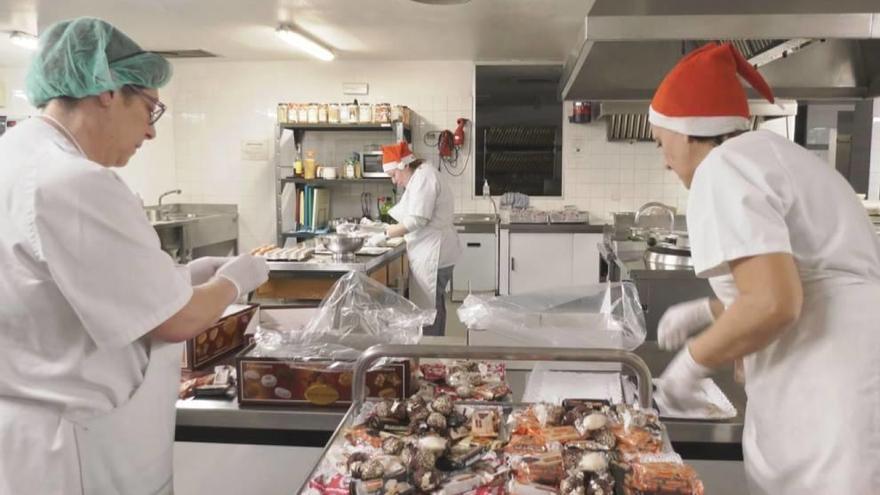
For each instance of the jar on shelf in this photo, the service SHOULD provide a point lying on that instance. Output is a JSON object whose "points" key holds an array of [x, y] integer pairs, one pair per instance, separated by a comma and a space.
{"points": [[292, 113], [282, 113], [365, 113], [333, 113], [344, 114], [313, 113], [302, 113], [396, 113], [352, 113], [382, 113], [322, 113], [310, 167]]}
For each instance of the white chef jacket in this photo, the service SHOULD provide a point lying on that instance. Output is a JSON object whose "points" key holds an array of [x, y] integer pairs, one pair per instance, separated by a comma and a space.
{"points": [[813, 414], [84, 279], [428, 196]]}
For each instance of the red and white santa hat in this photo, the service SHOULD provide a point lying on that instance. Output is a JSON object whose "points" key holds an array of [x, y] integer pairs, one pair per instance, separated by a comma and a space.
{"points": [[396, 156], [702, 95]]}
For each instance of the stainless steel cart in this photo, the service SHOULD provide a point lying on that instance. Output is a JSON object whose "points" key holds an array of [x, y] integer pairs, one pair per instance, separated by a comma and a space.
{"points": [[629, 360]]}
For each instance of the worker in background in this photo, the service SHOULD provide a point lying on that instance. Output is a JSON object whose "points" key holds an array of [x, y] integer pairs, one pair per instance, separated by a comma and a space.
{"points": [[424, 213], [91, 308], [795, 265]]}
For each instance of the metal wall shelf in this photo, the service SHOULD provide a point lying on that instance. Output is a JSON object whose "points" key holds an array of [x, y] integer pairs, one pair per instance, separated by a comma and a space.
{"points": [[398, 132], [330, 182]]}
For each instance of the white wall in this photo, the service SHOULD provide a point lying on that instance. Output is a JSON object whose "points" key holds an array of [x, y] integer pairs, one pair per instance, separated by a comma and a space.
{"points": [[874, 177], [149, 173], [214, 105]]}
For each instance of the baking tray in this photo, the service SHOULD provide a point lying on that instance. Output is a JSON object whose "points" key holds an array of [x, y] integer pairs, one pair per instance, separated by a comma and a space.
{"points": [[629, 360]]}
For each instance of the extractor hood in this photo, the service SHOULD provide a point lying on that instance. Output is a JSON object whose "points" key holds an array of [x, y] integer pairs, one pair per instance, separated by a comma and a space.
{"points": [[628, 120], [806, 49]]}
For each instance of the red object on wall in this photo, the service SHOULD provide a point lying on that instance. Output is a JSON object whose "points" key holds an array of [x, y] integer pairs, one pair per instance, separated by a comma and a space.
{"points": [[459, 132]]}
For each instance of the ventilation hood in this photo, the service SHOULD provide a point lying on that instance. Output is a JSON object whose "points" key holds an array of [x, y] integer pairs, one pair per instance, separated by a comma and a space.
{"points": [[806, 49], [628, 120]]}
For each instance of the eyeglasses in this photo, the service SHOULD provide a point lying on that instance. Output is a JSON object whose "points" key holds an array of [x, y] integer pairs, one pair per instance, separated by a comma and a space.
{"points": [[158, 107]]}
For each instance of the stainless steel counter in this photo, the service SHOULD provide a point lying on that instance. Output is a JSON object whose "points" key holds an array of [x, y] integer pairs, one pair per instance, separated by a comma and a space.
{"points": [[225, 415], [553, 228], [327, 263]]}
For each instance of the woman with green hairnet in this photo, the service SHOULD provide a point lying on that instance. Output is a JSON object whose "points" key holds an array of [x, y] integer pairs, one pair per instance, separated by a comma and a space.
{"points": [[92, 309]]}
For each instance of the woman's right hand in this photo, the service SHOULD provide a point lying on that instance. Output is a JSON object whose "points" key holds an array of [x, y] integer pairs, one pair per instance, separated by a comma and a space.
{"points": [[682, 320]]}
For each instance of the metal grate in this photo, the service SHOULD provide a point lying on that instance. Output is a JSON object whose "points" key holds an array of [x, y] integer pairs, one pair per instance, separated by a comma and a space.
{"points": [[635, 126], [521, 136]]}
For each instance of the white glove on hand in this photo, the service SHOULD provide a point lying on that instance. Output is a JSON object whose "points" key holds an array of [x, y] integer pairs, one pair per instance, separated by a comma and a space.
{"points": [[680, 382], [681, 321], [202, 269], [376, 240], [246, 272]]}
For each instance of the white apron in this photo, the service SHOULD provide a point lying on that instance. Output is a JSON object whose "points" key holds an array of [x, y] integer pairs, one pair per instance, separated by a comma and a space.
{"points": [[129, 449], [812, 422], [423, 250]]}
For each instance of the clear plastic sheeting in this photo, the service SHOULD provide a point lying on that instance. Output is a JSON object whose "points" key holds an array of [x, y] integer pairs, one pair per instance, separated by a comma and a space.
{"points": [[357, 313], [607, 316]]}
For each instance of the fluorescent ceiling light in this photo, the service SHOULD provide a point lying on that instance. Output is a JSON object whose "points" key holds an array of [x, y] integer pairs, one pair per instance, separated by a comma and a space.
{"points": [[305, 44], [24, 40]]}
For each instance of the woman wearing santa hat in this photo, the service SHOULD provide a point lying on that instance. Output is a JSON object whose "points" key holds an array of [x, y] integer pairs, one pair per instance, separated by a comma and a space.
{"points": [[424, 213], [795, 265]]}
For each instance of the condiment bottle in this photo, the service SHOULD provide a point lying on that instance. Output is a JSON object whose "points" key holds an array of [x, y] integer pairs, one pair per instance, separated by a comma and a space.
{"points": [[309, 165]]}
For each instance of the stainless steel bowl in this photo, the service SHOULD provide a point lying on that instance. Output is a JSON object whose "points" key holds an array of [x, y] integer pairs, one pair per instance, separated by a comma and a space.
{"points": [[341, 244], [670, 259]]}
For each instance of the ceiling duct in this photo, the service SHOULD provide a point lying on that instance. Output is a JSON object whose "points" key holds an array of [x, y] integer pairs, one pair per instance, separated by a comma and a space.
{"points": [[806, 49], [628, 120]]}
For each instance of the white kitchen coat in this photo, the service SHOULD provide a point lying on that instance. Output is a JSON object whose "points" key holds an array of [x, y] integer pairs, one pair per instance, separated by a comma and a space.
{"points": [[812, 422], [86, 399], [436, 245]]}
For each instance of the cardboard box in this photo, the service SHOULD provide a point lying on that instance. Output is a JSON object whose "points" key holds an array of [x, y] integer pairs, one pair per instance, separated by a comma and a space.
{"points": [[220, 339], [295, 382]]}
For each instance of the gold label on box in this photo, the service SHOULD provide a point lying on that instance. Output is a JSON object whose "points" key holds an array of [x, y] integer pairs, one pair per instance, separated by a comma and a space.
{"points": [[321, 394]]}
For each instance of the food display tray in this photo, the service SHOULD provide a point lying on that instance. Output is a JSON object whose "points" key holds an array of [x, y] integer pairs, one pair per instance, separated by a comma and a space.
{"points": [[361, 405]]}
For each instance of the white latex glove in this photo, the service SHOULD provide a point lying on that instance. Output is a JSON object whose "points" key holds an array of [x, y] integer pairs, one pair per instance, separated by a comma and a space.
{"points": [[680, 382], [246, 272], [202, 269], [376, 240], [681, 321]]}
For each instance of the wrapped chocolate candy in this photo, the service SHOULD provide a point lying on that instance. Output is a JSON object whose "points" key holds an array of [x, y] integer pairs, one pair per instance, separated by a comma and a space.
{"points": [[456, 419], [573, 484], [599, 484], [464, 391], [408, 455], [442, 404], [398, 410], [383, 409], [392, 445], [372, 469], [426, 480], [424, 459], [437, 422]]}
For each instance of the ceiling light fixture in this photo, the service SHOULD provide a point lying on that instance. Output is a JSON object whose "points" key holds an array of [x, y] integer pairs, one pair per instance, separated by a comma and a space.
{"points": [[24, 40], [442, 2], [303, 43]]}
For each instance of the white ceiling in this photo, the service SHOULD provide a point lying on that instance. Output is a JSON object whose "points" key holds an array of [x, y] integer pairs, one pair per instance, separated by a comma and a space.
{"points": [[482, 30]]}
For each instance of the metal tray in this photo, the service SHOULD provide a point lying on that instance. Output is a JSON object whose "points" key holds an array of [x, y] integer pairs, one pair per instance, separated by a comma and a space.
{"points": [[629, 360]]}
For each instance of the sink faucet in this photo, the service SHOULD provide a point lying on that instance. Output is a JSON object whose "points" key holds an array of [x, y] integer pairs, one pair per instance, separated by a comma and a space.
{"points": [[168, 193], [656, 205]]}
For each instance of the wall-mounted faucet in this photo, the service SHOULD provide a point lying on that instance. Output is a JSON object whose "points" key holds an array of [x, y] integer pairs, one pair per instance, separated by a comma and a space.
{"points": [[168, 193]]}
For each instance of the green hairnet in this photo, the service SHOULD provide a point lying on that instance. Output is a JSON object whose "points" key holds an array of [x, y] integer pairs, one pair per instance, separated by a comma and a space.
{"points": [[87, 56]]}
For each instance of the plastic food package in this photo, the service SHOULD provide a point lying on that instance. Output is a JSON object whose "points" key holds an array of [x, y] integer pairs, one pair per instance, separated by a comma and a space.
{"points": [[594, 316], [357, 313]]}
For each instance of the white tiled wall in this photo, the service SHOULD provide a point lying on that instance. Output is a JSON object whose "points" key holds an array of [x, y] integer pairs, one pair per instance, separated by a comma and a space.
{"points": [[215, 105], [874, 177]]}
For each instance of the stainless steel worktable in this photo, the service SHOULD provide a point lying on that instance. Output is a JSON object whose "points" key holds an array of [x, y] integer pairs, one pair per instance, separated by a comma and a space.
{"points": [[327, 263], [224, 421]]}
